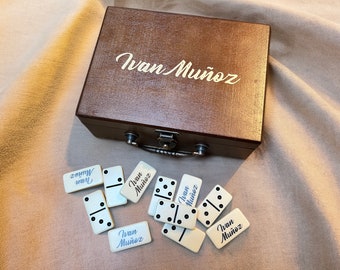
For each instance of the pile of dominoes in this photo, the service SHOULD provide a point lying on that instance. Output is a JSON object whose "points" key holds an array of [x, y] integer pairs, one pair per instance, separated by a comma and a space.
{"points": [[179, 215]]}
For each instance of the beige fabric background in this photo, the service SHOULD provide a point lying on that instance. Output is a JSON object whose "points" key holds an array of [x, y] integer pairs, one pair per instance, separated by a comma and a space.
{"points": [[289, 188]]}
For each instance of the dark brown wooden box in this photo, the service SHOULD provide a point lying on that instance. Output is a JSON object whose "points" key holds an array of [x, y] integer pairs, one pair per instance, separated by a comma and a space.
{"points": [[199, 80]]}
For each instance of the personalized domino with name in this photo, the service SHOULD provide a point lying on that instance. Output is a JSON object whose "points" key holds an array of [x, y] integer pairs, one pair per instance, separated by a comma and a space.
{"points": [[138, 181], [113, 182], [83, 178], [188, 190], [164, 189], [129, 236], [190, 239], [228, 228], [176, 214], [213, 205], [187, 194], [98, 212]]}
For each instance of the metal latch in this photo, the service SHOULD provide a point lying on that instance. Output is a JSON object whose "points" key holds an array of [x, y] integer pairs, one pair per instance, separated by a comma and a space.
{"points": [[167, 141]]}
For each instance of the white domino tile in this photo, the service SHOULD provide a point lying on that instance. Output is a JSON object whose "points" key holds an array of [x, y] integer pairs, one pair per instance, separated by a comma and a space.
{"points": [[98, 212], [213, 205], [129, 236], [176, 214], [164, 189], [179, 215], [187, 194], [83, 178], [138, 181], [113, 183], [188, 190], [228, 228], [190, 239]]}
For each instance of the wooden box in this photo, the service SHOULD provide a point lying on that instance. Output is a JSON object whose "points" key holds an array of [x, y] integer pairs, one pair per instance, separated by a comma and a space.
{"points": [[177, 84]]}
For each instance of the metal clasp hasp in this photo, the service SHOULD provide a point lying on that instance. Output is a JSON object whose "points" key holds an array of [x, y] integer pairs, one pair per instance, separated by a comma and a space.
{"points": [[167, 142]]}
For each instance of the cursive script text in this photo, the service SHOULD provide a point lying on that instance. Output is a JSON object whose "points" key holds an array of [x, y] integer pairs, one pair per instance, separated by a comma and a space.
{"points": [[188, 197], [228, 229], [129, 238], [183, 69], [83, 176], [139, 183]]}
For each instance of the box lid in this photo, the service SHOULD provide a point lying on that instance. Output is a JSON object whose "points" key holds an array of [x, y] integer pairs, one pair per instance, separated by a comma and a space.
{"points": [[180, 72]]}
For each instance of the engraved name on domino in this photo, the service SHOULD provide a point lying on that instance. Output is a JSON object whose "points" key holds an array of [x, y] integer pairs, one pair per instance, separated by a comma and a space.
{"points": [[228, 228], [83, 178], [139, 183], [188, 197], [130, 236]]}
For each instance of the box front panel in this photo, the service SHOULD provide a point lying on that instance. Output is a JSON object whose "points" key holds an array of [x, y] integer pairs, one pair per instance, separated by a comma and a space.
{"points": [[186, 142], [193, 74]]}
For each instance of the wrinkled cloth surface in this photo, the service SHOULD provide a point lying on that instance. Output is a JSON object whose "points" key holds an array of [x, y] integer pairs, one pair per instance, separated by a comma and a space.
{"points": [[288, 188]]}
